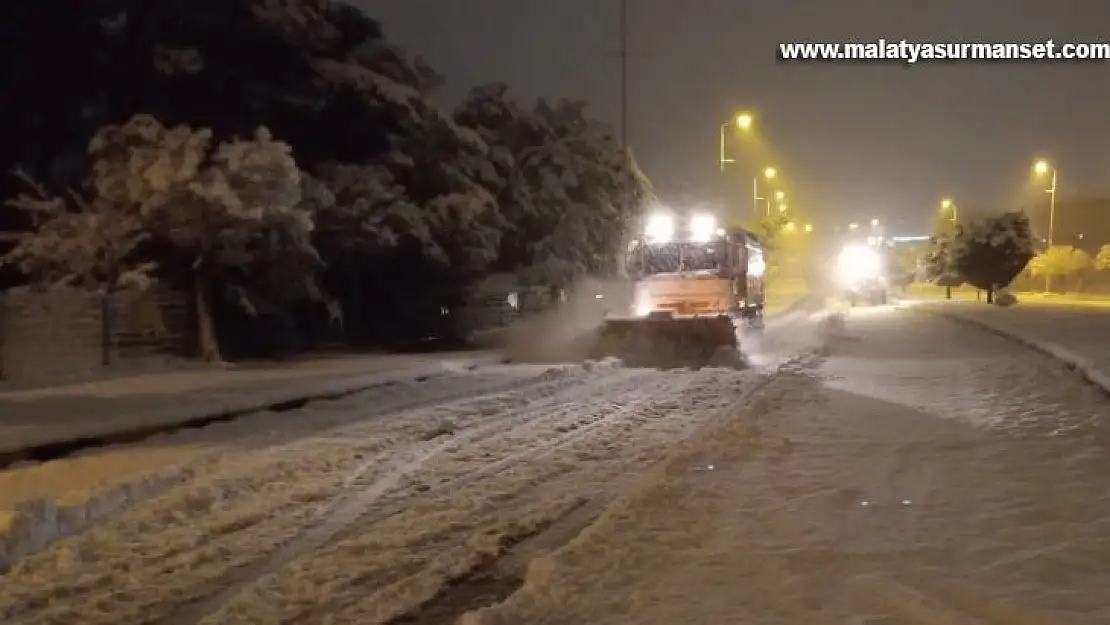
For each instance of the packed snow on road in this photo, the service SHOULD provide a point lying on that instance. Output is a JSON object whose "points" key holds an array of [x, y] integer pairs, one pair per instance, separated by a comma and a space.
{"points": [[923, 472], [890, 467], [362, 508]]}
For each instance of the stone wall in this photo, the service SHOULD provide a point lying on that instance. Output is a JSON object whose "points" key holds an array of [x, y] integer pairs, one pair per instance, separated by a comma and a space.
{"points": [[55, 335]]}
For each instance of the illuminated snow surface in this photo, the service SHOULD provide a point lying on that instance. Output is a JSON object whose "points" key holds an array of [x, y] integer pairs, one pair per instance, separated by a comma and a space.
{"points": [[922, 472]]}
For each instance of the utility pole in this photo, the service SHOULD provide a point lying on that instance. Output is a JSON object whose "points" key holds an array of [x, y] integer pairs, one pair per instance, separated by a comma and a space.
{"points": [[1051, 226], [624, 71]]}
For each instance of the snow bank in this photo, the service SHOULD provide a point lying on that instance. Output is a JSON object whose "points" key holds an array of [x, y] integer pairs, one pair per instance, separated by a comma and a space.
{"points": [[40, 504], [33, 525], [140, 414]]}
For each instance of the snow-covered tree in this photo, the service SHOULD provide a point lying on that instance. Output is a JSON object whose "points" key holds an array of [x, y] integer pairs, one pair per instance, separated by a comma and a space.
{"points": [[83, 243], [89, 244], [233, 212], [410, 202], [567, 191], [940, 266], [368, 215], [1102, 260], [990, 252], [1062, 261]]}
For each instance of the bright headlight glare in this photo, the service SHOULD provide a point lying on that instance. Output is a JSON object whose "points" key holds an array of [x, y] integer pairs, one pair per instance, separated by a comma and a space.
{"points": [[659, 228], [702, 227], [858, 263], [643, 307]]}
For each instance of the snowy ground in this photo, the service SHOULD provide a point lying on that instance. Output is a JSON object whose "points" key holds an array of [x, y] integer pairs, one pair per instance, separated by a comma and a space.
{"points": [[1082, 330], [357, 510], [915, 470], [925, 472]]}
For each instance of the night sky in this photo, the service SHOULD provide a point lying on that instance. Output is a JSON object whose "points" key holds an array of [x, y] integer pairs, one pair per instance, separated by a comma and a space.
{"points": [[852, 141]]}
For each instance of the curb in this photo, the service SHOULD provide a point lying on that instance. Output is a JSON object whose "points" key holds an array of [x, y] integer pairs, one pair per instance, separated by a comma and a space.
{"points": [[1072, 360], [172, 415], [33, 525]]}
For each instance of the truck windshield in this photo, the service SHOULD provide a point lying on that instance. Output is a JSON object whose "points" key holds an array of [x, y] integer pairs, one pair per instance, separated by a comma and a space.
{"points": [[674, 257]]}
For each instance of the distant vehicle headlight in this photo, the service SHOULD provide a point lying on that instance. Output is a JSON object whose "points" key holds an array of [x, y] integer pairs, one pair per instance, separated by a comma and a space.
{"points": [[858, 263]]}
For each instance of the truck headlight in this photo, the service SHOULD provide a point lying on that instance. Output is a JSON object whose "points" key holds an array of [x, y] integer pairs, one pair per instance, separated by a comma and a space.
{"points": [[702, 228], [660, 228], [643, 306], [858, 263]]}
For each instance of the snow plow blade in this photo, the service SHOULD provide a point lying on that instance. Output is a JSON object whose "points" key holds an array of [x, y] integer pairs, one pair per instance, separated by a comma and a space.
{"points": [[670, 343]]}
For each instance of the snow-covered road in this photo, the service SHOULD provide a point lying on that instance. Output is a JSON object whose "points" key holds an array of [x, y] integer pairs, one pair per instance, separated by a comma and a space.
{"points": [[357, 510], [913, 470], [926, 472]]}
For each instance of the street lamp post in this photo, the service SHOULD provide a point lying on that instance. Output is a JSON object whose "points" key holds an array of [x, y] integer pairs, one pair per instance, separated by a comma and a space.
{"points": [[1042, 167], [743, 122], [768, 173]]}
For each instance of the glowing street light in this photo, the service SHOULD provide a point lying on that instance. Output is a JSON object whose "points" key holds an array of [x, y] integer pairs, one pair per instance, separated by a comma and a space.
{"points": [[780, 195], [874, 223], [743, 122], [809, 228], [1040, 168], [791, 226], [948, 205], [853, 226], [769, 173]]}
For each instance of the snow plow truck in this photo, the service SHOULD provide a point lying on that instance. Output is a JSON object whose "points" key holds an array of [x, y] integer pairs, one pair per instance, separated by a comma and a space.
{"points": [[693, 288]]}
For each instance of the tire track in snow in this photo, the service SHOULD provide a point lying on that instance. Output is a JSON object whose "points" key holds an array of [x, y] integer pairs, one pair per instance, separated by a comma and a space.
{"points": [[358, 494], [604, 408], [487, 489], [36, 485], [239, 502]]}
